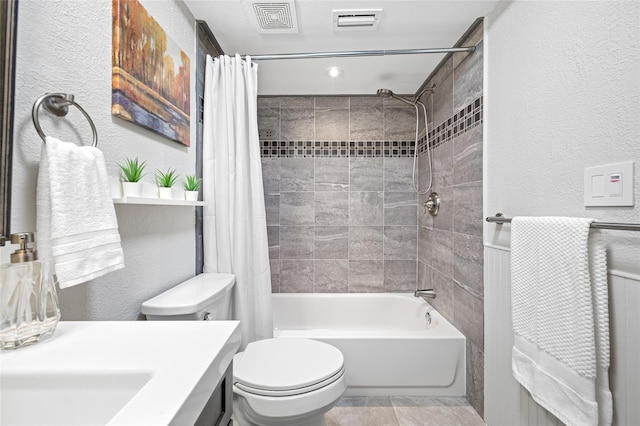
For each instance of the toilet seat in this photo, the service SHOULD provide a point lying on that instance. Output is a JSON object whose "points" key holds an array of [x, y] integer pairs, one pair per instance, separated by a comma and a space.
{"points": [[286, 366]]}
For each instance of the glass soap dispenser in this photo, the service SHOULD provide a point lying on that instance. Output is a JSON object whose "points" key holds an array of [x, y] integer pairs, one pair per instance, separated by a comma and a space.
{"points": [[28, 301]]}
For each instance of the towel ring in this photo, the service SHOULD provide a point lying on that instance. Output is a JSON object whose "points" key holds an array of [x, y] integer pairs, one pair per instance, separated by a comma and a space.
{"points": [[58, 105]]}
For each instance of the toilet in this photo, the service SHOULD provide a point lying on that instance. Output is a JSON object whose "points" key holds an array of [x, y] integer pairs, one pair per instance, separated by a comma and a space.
{"points": [[283, 381]]}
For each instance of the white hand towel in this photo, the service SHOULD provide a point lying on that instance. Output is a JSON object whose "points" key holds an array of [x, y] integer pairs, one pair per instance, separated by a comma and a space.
{"points": [[560, 317], [76, 221]]}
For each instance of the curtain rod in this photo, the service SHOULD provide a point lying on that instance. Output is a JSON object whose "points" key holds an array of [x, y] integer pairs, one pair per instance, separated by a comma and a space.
{"points": [[354, 53], [500, 219]]}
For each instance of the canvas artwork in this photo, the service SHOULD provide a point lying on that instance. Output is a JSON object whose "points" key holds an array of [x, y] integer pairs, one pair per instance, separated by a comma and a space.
{"points": [[150, 83]]}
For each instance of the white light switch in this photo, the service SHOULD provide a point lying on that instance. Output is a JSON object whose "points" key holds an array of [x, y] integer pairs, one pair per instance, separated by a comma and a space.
{"points": [[609, 185], [597, 186]]}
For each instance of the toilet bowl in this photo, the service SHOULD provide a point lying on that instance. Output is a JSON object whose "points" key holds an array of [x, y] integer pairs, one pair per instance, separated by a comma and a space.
{"points": [[284, 381]]}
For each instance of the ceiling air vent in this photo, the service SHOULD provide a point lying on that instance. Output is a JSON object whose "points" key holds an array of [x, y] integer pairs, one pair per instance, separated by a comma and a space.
{"points": [[273, 17], [356, 19]]}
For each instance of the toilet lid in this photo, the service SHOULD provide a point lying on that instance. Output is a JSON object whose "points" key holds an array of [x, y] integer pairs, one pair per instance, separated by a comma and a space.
{"points": [[286, 364]]}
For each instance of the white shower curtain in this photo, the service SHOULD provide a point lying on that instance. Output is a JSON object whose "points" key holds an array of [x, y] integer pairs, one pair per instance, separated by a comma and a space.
{"points": [[235, 226]]}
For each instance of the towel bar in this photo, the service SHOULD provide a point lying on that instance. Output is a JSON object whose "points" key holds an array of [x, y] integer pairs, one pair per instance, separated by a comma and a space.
{"points": [[500, 219], [58, 104]]}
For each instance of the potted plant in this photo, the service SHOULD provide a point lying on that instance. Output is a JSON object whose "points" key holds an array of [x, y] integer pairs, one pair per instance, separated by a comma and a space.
{"points": [[131, 173], [191, 186], [165, 181]]}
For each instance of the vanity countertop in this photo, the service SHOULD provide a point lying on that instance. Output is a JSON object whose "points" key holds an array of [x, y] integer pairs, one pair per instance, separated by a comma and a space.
{"points": [[173, 366]]}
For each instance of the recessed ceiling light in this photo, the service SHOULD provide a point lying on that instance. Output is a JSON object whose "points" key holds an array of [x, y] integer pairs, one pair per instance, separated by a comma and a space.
{"points": [[334, 72]]}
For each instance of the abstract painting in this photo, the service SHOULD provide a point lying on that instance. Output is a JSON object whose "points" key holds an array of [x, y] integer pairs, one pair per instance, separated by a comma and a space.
{"points": [[150, 76]]}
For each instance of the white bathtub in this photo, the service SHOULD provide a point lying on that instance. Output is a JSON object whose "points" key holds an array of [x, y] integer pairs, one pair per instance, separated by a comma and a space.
{"points": [[388, 346]]}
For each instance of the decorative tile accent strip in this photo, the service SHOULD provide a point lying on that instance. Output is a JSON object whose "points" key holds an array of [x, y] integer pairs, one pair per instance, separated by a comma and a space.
{"points": [[464, 120], [336, 149]]}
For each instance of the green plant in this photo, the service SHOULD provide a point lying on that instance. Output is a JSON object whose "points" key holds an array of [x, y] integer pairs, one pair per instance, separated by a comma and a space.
{"points": [[132, 170], [192, 183], [166, 180]]}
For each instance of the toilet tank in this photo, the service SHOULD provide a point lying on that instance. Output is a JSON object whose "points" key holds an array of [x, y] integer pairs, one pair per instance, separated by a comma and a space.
{"points": [[207, 296]]}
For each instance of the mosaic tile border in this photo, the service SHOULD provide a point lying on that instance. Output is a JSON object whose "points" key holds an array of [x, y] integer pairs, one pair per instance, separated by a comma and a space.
{"points": [[464, 120], [336, 149]]}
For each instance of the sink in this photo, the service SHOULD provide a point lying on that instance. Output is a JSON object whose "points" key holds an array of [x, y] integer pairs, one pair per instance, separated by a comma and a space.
{"points": [[70, 398], [117, 373]]}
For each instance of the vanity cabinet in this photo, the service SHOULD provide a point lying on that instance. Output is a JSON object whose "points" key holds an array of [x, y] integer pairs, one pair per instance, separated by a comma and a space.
{"points": [[219, 407]]}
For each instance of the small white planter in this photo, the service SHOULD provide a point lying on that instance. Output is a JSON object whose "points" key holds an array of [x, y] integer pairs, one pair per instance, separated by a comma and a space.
{"points": [[132, 189], [165, 193], [191, 195]]}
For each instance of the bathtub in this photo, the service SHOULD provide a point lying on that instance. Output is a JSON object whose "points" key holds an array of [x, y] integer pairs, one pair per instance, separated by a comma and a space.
{"points": [[389, 345]]}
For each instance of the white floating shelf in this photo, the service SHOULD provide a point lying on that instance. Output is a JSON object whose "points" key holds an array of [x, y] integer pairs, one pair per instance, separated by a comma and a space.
{"points": [[156, 201]]}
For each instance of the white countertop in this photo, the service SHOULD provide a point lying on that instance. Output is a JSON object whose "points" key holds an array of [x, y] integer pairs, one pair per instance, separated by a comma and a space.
{"points": [[184, 360]]}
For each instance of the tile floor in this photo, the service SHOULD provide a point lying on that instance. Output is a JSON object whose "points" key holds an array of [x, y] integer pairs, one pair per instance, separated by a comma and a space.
{"points": [[403, 411]]}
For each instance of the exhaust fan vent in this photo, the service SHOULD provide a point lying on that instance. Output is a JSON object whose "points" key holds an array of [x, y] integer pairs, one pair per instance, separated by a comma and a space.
{"points": [[274, 18], [356, 19]]}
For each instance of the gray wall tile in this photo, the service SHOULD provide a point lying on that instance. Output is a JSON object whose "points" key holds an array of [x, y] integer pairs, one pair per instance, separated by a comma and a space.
{"points": [[296, 276], [443, 95], [272, 206], [399, 123], [297, 102], [467, 79], [273, 236], [269, 102], [297, 242], [269, 123], [274, 265], [443, 286], [296, 174], [444, 218], [332, 208], [365, 174], [475, 377], [332, 102], [399, 275], [468, 259], [271, 175], [442, 165], [467, 214], [332, 242], [468, 314], [400, 208], [400, 243], [366, 119], [366, 276], [398, 173], [331, 276], [332, 125], [365, 208], [297, 124], [468, 156], [297, 208], [365, 242], [442, 252], [331, 174], [425, 245]]}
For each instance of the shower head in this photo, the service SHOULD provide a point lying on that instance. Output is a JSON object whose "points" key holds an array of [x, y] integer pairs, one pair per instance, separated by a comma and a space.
{"points": [[387, 93]]}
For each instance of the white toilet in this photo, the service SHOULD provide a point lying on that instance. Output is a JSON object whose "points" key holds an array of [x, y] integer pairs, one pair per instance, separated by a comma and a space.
{"points": [[285, 381]]}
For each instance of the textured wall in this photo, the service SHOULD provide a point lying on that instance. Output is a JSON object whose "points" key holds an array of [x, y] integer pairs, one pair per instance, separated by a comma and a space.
{"points": [[450, 244], [66, 47], [341, 213], [561, 97]]}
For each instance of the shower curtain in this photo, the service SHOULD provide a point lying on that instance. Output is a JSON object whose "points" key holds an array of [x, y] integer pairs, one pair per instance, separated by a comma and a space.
{"points": [[235, 226]]}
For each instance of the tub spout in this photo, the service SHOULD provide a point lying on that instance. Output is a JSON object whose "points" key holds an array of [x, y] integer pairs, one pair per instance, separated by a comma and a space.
{"points": [[425, 293]]}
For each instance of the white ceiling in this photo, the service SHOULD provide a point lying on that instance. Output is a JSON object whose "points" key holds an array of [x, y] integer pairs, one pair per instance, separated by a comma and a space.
{"points": [[404, 24]]}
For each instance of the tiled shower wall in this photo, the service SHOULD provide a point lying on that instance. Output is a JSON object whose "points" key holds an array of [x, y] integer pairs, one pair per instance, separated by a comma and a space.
{"points": [[341, 212], [450, 251]]}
